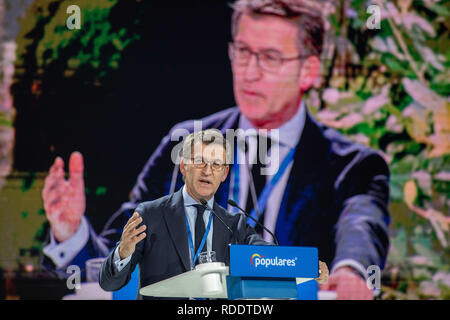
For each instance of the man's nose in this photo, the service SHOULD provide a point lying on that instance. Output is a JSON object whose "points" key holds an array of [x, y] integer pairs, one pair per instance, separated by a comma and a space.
{"points": [[253, 71], [207, 170]]}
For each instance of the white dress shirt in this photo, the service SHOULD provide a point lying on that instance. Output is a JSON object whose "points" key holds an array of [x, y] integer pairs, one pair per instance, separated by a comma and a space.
{"points": [[62, 253]]}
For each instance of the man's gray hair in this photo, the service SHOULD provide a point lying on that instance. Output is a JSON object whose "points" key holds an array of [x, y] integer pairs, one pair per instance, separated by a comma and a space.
{"points": [[207, 137], [306, 13]]}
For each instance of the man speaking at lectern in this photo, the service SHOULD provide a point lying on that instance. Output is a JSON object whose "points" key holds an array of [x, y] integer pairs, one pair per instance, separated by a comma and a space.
{"points": [[331, 193], [165, 236]]}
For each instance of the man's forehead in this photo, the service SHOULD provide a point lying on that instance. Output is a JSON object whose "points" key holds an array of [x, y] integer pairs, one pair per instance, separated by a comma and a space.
{"points": [[267, 32], [212, 150]]}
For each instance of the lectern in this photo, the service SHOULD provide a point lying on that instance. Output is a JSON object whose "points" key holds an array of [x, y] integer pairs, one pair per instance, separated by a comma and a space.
{"points": [[255, 272]]}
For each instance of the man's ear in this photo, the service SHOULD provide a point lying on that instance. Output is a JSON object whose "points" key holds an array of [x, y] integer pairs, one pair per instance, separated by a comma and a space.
{"points": [[309, 72], [182, 167], [225, 174]]}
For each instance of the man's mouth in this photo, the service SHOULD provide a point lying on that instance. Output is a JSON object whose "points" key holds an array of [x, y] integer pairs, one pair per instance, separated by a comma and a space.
{"points": [[252, 93], [204, 182]]}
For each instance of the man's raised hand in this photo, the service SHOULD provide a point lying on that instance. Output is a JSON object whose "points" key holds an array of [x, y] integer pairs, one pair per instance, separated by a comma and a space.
{"points": [[65, 200], [348, 285], [131, 235]]}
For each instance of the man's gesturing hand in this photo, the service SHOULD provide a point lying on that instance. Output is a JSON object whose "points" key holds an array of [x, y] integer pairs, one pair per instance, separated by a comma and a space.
{"points": [[348, 285], [65, 200], [323, 273], [131, 236]]}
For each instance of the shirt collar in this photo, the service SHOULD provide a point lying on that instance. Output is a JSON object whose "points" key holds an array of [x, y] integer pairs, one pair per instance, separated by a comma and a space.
{"points": [[189, 201], [290, 132]]}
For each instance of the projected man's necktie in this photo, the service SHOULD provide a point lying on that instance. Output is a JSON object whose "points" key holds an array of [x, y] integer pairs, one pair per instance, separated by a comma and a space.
{"points": [[259, 180]]}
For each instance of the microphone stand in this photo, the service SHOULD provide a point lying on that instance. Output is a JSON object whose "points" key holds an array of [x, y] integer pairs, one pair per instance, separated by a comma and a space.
{"points": [[234, 204]]}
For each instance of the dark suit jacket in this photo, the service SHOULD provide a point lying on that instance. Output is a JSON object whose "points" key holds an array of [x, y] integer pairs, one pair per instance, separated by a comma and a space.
{"points": [[164, 252], [336, 198]]}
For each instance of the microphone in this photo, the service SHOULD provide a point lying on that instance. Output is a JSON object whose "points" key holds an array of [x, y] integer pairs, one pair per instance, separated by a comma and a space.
{"points": [[234, 204], [205, 204]]}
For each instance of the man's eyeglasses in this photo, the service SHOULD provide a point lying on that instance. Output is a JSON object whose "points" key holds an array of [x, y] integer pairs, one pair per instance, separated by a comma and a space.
{"points": [[268, 60], [201, 163]]}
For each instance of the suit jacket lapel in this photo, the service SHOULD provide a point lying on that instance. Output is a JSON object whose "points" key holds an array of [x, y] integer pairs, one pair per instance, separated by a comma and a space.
{"points": [[174, 216]]}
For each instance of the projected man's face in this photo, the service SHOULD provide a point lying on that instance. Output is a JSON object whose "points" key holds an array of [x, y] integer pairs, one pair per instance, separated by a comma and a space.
{"points": [[268, 93]]}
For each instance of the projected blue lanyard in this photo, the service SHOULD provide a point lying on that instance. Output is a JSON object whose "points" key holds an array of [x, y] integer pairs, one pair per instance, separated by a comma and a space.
{"points": [[268, 188], [191, 244]]}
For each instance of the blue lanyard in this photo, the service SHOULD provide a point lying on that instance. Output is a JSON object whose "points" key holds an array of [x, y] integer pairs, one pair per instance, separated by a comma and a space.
{"points": [[268, 188], [236, 177], [191, 244]]}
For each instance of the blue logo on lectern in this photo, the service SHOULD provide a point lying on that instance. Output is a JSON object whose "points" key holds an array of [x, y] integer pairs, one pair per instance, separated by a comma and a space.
{"points": [[273, 261], [258, 260]]}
